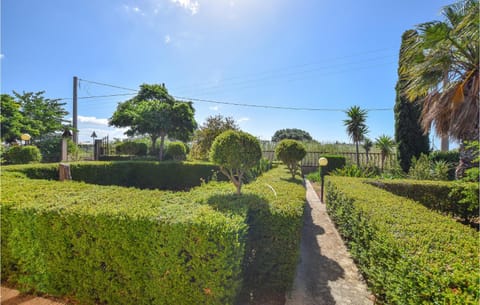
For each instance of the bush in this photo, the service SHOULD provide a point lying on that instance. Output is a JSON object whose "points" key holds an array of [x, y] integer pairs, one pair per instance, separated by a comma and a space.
{"points": [[176, 151], [334, 162], [236, 153], [131, 148], [447, 197], [291, 153], [409, 254], [425, 169], [22, 155], [113, 245], [51, 148], [450, 157]]}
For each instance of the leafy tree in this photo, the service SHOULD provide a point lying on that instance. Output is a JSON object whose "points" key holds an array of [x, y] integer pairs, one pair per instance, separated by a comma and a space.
{"points": [[155, 112], [385, 144], [409, 135], [367, 145], [235, 152], [41, 116], [356, 126], [441, 65], [206, 134], [11, 119], [291, 133], [291, 152]]}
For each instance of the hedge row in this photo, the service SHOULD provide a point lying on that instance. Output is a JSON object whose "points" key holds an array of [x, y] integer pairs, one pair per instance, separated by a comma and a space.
{"points": [[447, 197], [409, 254], [115, 245], [139, 174]]}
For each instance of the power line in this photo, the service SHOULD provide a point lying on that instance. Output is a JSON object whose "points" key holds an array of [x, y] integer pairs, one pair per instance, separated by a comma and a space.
{"points": [[97, 96], [238, 104], [106, 85]]}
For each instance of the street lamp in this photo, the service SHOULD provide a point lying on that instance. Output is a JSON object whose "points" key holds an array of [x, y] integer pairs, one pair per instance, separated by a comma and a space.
{"points": [[322, 162], [25, 137]]}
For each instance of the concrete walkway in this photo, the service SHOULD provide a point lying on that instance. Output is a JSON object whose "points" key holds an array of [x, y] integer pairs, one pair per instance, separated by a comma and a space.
{"points": [[12, 297], [326, 274]]}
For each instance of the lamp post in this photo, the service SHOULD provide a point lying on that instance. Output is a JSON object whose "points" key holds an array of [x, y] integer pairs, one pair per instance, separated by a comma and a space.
{"points": [[25, 137], [322, 162]]}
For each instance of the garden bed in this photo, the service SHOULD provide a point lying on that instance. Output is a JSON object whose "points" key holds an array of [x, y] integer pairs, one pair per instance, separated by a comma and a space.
{"points": [[117, 245]]}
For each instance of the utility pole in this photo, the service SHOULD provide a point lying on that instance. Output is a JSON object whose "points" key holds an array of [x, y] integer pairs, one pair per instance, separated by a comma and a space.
{"points": [[74, 112]]}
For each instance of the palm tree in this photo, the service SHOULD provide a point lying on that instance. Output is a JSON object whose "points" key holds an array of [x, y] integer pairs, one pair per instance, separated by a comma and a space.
{"points": [[356, 127], [367, 145], [385, 144], [442, 67]]}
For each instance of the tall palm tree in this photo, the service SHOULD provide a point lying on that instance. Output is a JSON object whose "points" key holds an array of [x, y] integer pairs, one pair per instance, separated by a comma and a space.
{"points": [[356, 127], [367, 145], [442, 67], [385, 144]]}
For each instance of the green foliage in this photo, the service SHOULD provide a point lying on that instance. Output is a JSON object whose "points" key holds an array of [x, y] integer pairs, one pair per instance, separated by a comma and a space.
{"points": [[11, 119], [41, 116], [409, 254], [22, 154], [292, 134], [204, 137], [356, 126], [451, 157], [424, 169], [291, 153], [176, 151], [409, 136], [51, 147], [457, 199], [155, 112], [235, 152], [131, 148], [115, 245], [385, 144]]}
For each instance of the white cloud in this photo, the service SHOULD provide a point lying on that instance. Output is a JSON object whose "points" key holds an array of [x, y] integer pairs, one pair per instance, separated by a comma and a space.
{"points": [[190, 5], [167, 39], [2, 56], [243, 119], [136, 10], [92, 120], [214, 108]]}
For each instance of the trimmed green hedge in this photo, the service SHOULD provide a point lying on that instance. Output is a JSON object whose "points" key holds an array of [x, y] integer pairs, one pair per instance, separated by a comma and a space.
{"points": [[139, 174], [437, 195], [334, 162], [409, 254], [115, 245]]}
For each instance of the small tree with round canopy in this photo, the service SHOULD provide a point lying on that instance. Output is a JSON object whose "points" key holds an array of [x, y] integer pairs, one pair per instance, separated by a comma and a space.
{"points": [[235, 152], [291, 152]]}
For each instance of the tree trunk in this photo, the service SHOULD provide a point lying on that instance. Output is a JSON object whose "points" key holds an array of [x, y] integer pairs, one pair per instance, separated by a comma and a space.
{"points": [[154, 141], [162, 141], [366, 153], [358, 156], [383, 161], [444, 143]]}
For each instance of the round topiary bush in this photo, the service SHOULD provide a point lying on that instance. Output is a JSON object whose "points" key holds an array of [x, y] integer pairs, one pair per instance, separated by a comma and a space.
{"points": [[176, 151], [23, 155], [235, 152], [291, 152]]}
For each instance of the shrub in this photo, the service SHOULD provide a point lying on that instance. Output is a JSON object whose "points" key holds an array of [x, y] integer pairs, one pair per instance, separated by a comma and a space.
{"points": [[334, 162], [51, 148], [447, 197], [409, 254], [235, 152], [22, 155], [131, 148], [450, 157], [176, 151], [139, 174], [291, 153], [424, 169], [113, 245]]}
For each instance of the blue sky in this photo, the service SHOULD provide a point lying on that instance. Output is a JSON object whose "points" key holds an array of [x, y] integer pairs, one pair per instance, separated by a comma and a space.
{"points": [[306, 54]]}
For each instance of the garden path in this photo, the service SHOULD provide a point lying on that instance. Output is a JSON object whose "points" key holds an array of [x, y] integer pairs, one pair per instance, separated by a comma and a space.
{"points": [[326, 274]]}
